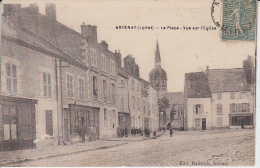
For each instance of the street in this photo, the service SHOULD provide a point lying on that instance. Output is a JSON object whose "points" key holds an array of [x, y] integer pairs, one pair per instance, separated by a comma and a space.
{"points": [[192, 148]]}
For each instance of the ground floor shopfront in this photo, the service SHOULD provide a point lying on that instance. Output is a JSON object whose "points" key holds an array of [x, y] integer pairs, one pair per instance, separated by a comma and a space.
{"points": [[124, 124], [242, 120], [17, 123], [78, 118]]}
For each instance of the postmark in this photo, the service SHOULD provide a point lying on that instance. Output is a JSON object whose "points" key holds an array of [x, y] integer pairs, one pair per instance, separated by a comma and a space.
{"points": [[238, 20]]}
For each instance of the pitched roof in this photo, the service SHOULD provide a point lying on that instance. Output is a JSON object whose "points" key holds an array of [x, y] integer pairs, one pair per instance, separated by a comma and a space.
{"points": [[24, 38], [197, 85], [228, 80], [175, 97]]}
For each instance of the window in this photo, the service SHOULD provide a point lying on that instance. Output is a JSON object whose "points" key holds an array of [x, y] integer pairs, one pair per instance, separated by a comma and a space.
{"points": [[122, 104], [47, 85], [163, 87], [219, 96], [95, 88], [105, 118], [112, 68], [103, 62], [105, 90], [197, 122], [219, 108], [219, 121], [93, 56], [232, 95], [157, 84], [70, 86], [81, 89], [133, 84], [133, 99], [114, 93], [114, 119], [11, 77], [245, 107], [232, 108], [122, 84], [235, 121], [198, 108], [10, 122]]}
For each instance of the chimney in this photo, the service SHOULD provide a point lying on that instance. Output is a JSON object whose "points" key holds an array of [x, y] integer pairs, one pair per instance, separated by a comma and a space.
{"points": [[34, 7], [50, 10], [118, 58], [89, 31], [104, 44], [11, 9]]}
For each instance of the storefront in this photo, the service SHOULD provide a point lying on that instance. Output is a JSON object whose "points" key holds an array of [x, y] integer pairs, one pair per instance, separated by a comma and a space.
{"points": [[124, 122], [17, 123], [78, 117], [241, 120]]}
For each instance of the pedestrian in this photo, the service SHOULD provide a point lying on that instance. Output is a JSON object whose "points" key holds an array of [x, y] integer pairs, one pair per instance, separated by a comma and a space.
{"points": [[94, 131], [171, 131], [82, 133]]}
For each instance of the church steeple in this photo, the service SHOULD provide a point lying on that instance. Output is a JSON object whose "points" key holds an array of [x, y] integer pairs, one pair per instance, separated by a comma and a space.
{"points": [[157, 56]]}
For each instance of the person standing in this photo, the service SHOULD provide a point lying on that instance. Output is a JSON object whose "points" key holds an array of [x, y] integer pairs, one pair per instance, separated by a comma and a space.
{"points": [[171, 131]]}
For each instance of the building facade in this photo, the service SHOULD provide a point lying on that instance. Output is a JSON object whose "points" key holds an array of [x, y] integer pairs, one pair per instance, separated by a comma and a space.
{"points": [[218, 98]]}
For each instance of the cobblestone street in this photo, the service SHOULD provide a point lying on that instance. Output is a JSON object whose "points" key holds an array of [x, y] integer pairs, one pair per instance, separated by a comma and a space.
{"points": [[217, 147]]}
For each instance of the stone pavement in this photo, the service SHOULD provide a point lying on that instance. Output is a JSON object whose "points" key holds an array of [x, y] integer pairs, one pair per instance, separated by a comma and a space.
{"points": [[18, 156]]}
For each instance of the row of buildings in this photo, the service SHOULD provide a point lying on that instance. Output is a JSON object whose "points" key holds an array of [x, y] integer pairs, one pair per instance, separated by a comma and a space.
{"points": [[56, 81], [219, 98]]}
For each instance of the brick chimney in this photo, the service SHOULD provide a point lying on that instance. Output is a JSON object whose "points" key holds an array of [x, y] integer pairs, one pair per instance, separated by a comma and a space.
{"points": [[89, 31], [104, 44], [118, 58], [50, 10], [34, 7]]}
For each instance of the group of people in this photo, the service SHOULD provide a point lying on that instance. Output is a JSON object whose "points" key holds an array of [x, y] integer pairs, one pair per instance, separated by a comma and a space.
{"points": [[91, 132]]}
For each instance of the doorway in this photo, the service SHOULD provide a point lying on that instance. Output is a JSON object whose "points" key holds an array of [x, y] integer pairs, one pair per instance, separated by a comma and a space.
{"points": [[203, 123]]}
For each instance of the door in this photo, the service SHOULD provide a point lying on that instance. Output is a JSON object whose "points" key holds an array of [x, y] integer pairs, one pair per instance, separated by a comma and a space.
{"points": [[203, 123], [49, 125]]}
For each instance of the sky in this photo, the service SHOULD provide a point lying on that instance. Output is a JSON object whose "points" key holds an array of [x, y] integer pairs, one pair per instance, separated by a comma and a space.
{"points": [[182, 51]]}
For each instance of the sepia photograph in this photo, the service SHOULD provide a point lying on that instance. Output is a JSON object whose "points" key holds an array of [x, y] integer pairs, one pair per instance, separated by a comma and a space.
{"points": [[145, 83]]}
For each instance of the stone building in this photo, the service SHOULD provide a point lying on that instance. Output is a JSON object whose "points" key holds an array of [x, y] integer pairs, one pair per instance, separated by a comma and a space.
{"points": [[218, 98], [102, 80], [29, 98]]}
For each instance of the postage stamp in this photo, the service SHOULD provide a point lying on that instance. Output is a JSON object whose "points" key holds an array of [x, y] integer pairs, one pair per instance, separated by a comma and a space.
{"points": [[239, 20]]}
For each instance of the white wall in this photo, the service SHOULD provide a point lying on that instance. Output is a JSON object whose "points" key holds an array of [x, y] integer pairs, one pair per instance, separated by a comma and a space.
{"points": [[206, 113]]}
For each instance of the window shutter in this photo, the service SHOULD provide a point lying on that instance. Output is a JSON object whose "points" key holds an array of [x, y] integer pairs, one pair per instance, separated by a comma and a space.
{"points": [[230, 108], [194, 109], [201, 109], [109, 92], [99, 90], [239, 107], [90, 87], [248, 107]]}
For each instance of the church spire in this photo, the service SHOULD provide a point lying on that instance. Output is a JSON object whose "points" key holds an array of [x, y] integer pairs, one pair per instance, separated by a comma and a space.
{"points": [[157, 55]]}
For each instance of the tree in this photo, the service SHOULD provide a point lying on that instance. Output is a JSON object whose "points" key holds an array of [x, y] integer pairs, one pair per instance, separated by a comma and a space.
{"points": [[163, 104]]}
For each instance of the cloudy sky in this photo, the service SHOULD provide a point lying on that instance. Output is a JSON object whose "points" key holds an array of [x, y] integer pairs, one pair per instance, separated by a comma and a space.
{"points": [[182, 51]]}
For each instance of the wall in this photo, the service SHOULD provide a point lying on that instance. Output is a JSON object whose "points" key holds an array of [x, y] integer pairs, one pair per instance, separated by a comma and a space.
{"points": [[226, 101], [206, 102], [30, 68]]}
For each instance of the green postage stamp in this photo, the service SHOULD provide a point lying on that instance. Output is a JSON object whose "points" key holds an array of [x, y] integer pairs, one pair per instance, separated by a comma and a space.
{"points": [[239, 20]]}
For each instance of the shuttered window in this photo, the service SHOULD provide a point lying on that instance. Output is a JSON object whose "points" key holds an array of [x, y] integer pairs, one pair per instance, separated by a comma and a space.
{"points": [[11, 77]]}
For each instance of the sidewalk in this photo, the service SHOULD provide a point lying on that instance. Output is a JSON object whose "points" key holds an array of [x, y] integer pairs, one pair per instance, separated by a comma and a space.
{"points": [[12, 157]]}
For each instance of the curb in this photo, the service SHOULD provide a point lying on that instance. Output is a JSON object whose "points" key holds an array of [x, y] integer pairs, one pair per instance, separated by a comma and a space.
{"points": [[64, 154]]}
